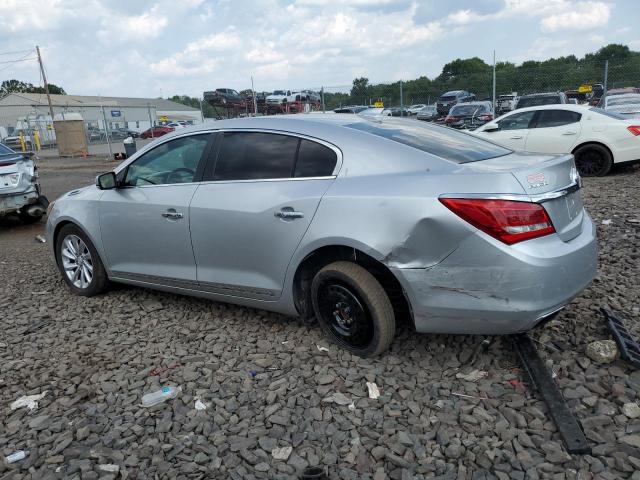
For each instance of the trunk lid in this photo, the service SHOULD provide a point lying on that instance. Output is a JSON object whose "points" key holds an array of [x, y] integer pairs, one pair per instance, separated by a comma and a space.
{"points": [[551, 180]]}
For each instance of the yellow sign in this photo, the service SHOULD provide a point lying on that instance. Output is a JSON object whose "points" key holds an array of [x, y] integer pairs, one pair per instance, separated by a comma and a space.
{"points": [[585, 89], [163, 118], [378, 105]]}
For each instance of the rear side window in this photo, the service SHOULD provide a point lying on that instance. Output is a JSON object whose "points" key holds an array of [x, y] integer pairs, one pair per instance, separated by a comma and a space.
{"points": [[255, 155], [315, 160], [539, 100], [556, 118], [443, 142]]}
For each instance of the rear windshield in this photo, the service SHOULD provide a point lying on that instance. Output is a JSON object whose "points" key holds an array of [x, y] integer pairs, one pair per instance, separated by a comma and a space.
{"points": [[609, 113], [541, 100], [443, 142], [467, 109], [622, 100]]}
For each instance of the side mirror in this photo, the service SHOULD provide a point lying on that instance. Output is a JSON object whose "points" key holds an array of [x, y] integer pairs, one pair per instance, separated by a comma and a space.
{"points": [[106, 181], [491, 127]]}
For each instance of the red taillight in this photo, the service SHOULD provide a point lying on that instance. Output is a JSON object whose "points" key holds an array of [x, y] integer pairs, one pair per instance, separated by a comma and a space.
{"points": [[508, 221], [450, 119], [635, 129], [486, 117]]}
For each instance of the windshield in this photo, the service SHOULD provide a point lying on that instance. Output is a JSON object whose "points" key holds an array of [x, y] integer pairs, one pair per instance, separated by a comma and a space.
{"points": [[541, 100], [443, 142], [447, 98], [278, 92], [467, 109], [622, 100]]}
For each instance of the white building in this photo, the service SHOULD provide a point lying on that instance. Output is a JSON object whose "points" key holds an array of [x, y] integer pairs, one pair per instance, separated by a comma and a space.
{"points": [[117, 112]]}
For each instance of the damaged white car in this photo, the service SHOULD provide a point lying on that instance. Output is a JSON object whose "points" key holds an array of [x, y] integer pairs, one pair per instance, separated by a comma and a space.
{"points": [[19, 187]]}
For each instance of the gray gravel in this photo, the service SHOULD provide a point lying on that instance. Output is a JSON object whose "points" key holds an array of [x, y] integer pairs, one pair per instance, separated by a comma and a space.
{"points": [[267, 386]]}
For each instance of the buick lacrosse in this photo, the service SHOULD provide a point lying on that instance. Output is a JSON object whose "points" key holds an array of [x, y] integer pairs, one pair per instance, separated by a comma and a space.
{"points": [[356, 221]]}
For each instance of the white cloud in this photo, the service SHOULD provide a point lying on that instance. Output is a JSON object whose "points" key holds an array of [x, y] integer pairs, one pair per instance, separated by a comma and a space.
{"points": [[132, 28], [588, 15], [29, 15]]}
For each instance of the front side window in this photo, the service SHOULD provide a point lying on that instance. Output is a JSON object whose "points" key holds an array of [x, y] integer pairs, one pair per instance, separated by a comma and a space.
{"points": [[517, 121], [556, 118], [172, 162], [255, 156]]}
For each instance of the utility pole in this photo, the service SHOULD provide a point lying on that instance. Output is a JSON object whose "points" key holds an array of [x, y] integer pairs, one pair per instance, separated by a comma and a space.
{"points": [[494, 81], [255, 100], [44, 79], [322, 95], [106, 129], [606, 78], [201, 112]]}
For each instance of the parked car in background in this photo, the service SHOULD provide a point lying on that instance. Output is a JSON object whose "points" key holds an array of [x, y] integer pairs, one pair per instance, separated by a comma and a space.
{"points": [[398, 112], [223, 96], [278, 97], [414, 109], [597, 138], [428, 113], [536, 99], [449, 99], [19, 186], [469, 115], [13, 141], [506, 103], [627, 105], [371, 112], [390, 222], [351, 109], [156, 131], [309, 96]]}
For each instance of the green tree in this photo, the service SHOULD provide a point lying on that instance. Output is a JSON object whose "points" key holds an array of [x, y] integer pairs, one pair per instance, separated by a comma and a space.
{"points": [[17, 86], [360, 90]]}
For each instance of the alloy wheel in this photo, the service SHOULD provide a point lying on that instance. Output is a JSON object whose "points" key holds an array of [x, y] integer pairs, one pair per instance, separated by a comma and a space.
{"points": [[77, 261], [591, 163]]}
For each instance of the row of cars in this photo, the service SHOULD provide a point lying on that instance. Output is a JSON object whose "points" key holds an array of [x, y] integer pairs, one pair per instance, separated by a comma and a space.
{"points": [[228, 97]]}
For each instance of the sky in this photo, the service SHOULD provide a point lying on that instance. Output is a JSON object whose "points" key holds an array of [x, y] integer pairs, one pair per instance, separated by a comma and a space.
{"points": [[151, 48]]}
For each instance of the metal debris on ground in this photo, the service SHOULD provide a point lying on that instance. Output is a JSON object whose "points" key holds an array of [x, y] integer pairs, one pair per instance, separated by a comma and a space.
{"points": [[16, 457], [374, 391], [568, 425], [473, 376], [322, 349], [29, 401], [41, 239], [629, 348]]}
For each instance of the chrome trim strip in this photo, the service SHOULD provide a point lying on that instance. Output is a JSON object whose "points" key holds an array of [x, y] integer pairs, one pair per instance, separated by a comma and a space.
{"points": [[518, 197]]}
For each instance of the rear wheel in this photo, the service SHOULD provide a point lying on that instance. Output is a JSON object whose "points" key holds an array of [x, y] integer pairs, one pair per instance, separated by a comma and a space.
{"points": [[29, 219], [79, 263], [353, 309], [593, 160]]}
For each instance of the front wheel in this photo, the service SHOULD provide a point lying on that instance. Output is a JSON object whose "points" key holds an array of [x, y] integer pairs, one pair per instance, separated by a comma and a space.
{"points": [[79, 263], [353, 309], [593, 160]]}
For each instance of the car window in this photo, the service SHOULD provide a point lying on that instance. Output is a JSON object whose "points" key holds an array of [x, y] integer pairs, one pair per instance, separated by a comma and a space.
{"points": [[175, 161], [517, 121], [255, 155], [314, 160], [538, 100], [556, 118], [443, 142]]}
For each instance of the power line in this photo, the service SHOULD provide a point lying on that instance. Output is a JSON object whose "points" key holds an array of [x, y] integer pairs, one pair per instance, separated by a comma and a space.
{"points": [[21, 60], [16, 52]]}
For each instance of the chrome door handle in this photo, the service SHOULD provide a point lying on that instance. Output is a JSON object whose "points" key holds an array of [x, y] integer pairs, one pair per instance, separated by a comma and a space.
{"points": [[288, 214], [172, 214], [569, 133], [516, 137]]}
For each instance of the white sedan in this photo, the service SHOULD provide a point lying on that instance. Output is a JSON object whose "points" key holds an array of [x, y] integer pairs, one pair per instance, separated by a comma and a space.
{"points": [[596, 137]]}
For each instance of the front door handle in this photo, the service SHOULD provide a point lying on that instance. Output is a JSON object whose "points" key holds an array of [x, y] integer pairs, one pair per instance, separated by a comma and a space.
{"points": [[171, 214], [569, 133], [288, 213], [516, 137]]}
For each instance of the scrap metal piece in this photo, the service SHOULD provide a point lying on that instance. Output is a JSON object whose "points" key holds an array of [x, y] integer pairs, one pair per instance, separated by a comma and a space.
{"points": [[629, 348], [568, 425]]}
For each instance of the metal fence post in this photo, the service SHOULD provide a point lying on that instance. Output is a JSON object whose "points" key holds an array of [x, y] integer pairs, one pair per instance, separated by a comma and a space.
{"points": [[106, 129], [494, 82], [606, 78], [401, 101]]}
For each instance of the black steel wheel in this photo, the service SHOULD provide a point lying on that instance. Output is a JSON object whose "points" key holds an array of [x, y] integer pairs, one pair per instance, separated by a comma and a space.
{"points": [[593, 160], [353, 309]]}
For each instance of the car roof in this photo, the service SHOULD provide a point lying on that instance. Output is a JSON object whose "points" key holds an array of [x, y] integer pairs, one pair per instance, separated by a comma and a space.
{"points": [[540, 94], [452, 92], [556, 106]]}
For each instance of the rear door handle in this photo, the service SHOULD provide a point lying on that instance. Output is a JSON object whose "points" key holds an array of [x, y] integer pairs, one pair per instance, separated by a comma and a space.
{"points": [[171, 214], [288, 213], [569, 133], [516, 137]]}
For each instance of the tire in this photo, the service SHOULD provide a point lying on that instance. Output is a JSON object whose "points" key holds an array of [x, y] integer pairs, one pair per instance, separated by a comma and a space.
{"points": [[353, 309], [79, 242], [29, 219], [593, 160]]}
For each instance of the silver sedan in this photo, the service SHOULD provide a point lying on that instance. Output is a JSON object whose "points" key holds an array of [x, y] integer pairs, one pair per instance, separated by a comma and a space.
{"points": [[354, 221]]}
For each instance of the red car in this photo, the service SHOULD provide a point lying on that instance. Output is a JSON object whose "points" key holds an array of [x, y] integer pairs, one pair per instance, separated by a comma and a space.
{"points": [[155, 132]]}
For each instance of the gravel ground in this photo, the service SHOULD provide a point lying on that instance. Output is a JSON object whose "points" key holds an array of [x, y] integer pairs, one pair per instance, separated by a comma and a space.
{"points": [[266, 384]]}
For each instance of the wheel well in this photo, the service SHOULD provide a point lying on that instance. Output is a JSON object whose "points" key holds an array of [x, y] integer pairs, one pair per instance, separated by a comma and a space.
{"points": [[56, 231], [585, 144], [313, 262]]}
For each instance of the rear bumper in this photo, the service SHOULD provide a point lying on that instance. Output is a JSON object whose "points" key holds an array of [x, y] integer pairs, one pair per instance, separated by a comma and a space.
{"points": [[485, 287], [14, 202]]}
